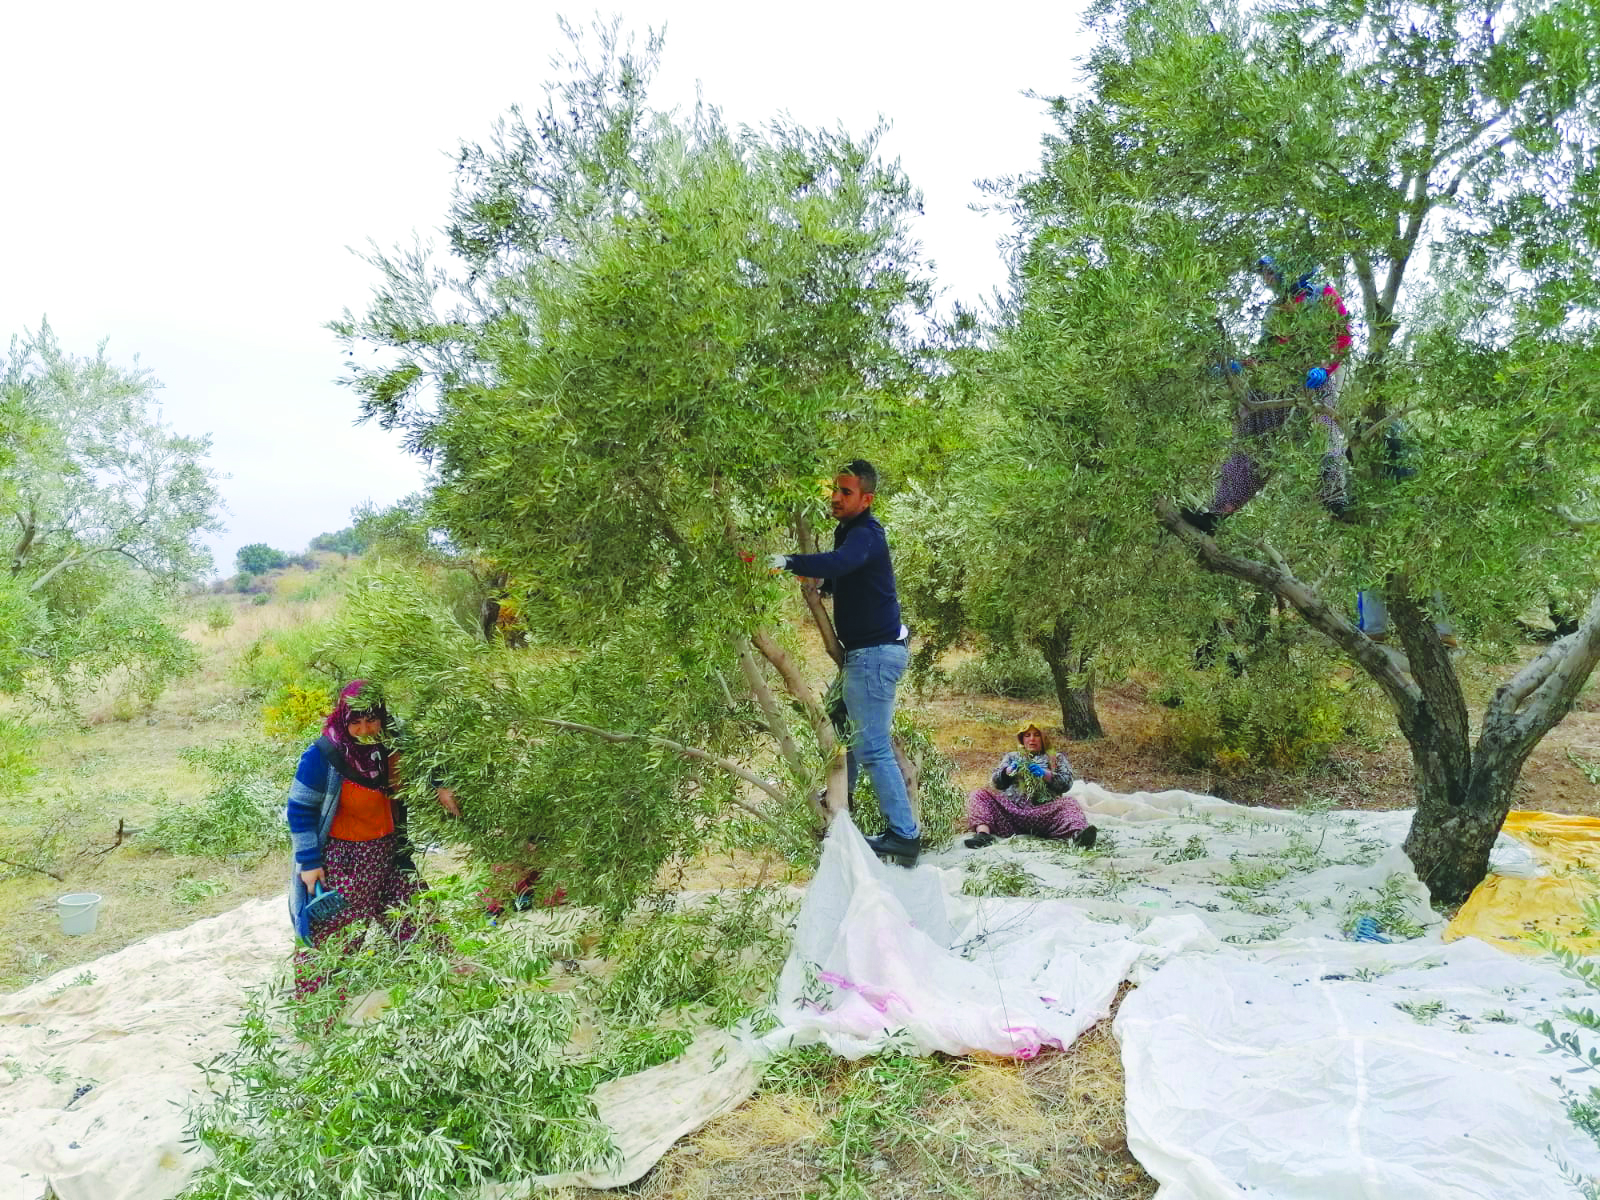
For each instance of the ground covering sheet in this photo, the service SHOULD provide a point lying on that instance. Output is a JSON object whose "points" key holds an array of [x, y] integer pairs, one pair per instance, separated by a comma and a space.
{"points": [[1266, 1055]]}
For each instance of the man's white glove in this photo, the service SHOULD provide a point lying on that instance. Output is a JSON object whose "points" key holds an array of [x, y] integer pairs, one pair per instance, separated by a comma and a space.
{"points": [[778, 562]]}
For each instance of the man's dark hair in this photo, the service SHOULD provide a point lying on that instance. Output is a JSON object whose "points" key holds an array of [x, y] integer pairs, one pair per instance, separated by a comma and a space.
{"points": [[864, 471]]}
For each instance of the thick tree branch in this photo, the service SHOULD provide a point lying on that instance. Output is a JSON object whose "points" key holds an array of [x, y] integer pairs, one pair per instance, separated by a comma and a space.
{"points": [[1277, 579], [777, 725], [78, 559], [1546, 689], [19, 552], [1444, 707], [837, 794], [1460, 176], [813, 597]]}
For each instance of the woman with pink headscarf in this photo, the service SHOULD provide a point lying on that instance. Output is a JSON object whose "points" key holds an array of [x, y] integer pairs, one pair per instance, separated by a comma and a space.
{"points": [[347, 828]]}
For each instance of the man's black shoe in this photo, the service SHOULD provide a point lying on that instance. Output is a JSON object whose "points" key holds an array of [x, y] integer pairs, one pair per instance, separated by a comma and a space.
{"points": [[893, 848], [1203, 520], [1085, 837]]}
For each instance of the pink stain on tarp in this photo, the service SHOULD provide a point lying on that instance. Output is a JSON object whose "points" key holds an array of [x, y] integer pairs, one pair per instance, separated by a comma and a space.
{"points": [[1031, 1048], [879, 998]]}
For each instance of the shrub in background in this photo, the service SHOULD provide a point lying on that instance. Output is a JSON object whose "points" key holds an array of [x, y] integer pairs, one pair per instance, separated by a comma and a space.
{"points": [[1286, 710], [296, 713], [243, 811], [1012, 672]]}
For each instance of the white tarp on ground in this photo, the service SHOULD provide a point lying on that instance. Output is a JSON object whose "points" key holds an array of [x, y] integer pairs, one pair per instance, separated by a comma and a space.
{"points": [[131, 1035], [1265, 1055]]}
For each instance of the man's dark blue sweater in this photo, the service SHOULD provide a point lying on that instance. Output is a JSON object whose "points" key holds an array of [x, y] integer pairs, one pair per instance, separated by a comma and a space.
{"points": [[866, 610]]}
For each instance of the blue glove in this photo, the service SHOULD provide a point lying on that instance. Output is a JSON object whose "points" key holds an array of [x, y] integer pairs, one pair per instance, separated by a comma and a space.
{"points": [[1036, 770], [1316, 377]]}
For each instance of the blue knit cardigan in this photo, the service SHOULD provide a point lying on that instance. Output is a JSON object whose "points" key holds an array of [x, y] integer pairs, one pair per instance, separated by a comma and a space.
{"points": [[313, 803]]}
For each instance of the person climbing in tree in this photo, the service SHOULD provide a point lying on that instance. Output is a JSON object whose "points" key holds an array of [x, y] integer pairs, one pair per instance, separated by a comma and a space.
{"points": [[1028, 794], [1304, 341]]}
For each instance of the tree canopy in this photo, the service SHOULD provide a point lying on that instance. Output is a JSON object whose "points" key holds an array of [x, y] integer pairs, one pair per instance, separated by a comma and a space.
{"points": [[1437, 161], [107, 505], [654, 340]]}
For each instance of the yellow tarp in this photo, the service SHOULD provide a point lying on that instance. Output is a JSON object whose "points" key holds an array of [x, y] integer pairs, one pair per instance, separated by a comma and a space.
{"points": [[1505, 911]]}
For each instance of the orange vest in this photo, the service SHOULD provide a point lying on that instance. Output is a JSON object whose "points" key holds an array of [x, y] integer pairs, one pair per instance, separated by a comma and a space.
{"points": [[364, 814]]}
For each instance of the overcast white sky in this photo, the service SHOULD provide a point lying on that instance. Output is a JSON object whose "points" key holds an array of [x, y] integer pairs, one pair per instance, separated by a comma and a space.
{"points": [[185, 179]]}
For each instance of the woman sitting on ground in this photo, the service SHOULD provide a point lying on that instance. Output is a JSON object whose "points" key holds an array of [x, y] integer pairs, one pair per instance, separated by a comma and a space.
{"points": [[347, 828], [1028, 795]]}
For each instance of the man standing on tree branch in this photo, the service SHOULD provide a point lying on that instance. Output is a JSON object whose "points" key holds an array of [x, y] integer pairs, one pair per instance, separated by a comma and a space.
{"points": [[866, 616]]}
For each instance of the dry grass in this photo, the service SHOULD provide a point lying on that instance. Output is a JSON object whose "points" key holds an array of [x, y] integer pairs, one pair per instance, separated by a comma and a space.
{"points": [[107, 771], [997, 1129]]}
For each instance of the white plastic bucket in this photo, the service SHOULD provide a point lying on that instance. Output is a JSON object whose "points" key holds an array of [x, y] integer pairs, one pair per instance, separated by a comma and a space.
{"points": [[79, 912]]}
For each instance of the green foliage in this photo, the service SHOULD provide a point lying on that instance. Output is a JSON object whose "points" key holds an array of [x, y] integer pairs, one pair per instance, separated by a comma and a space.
{"points": [[721, 956], [107, 506], [18, 739], [943, 802], [637, 260], [1013, 672], [297, 713], [188, 890], [1389, 906], [218, 616], [258, 558], [347, 541], [129, 634], [289, 669], [1589, 767], [605, 817], [999, 879], [260, 599], [1287, 710], [464, 1079], [244, 809], [1583, 1107], [1442, 172], [887, 1108], [1423, 1012]]}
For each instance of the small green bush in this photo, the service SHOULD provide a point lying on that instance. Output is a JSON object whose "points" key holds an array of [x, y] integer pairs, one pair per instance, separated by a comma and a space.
{"points": [[1011, 672], [18, 740], [218, 617], [723, 954], [1287, 711], [259, 599], [243, 812]]}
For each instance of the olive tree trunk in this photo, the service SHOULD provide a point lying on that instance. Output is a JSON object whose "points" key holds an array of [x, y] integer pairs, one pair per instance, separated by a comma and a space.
{"points": [[1463, 787], [1067, 666]]}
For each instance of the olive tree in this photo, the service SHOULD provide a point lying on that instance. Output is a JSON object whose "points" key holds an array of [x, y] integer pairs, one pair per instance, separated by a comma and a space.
{"points": [[651, 339], [1437, 161], [106, 506]]}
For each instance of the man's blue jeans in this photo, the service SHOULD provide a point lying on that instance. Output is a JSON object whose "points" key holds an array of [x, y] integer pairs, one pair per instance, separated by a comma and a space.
{"points": [[870, 677]]}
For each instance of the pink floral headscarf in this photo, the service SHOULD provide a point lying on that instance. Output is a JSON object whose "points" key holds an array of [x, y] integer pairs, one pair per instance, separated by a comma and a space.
{"points": [[367, 760]]}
